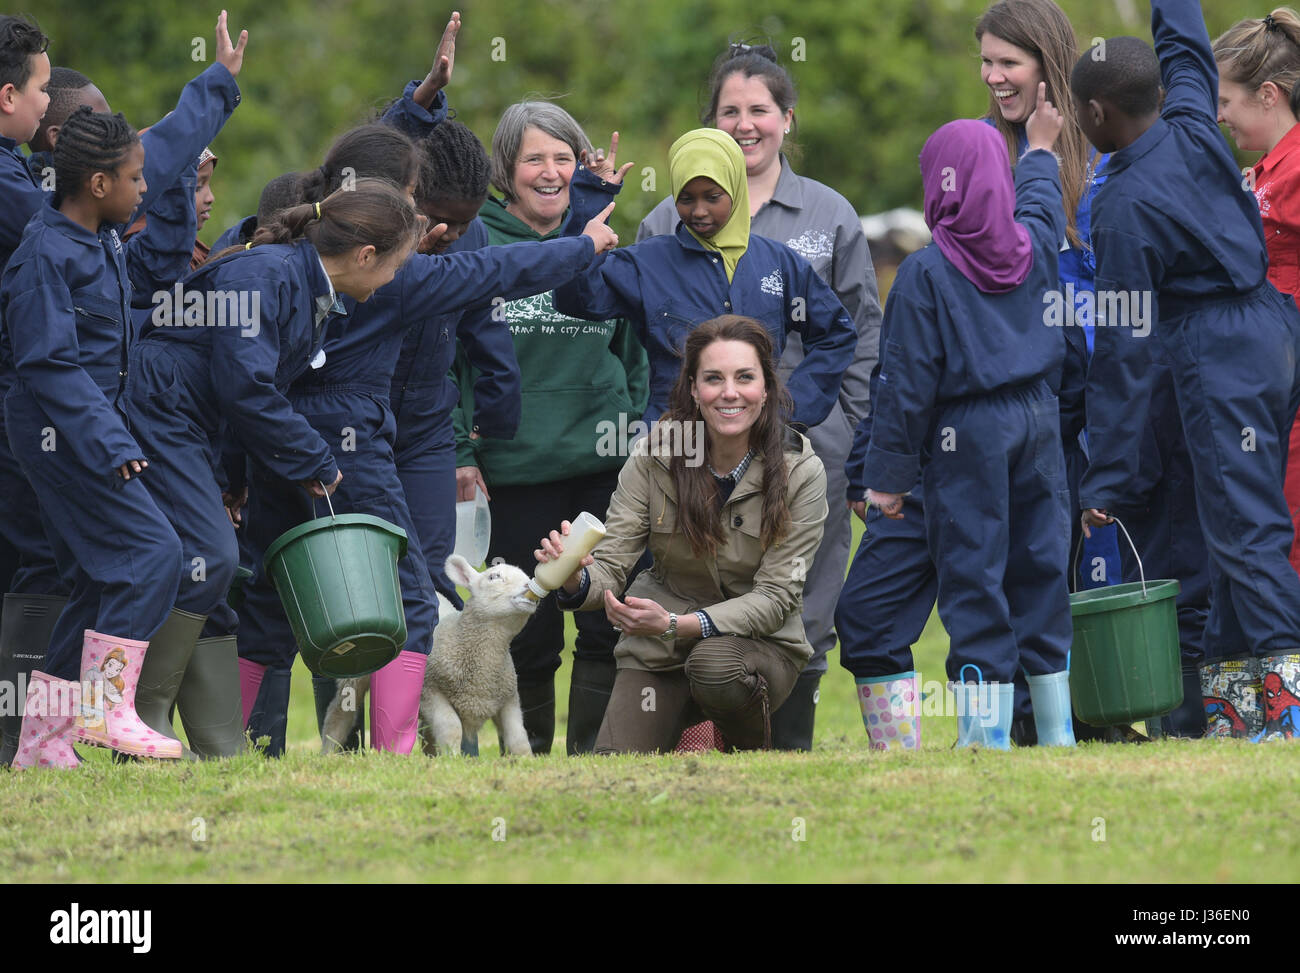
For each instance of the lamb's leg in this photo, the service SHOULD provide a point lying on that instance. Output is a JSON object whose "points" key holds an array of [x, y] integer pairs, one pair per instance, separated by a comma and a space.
{"points": [[510, 727], [446, 724], [428, 740], [339, 721]]}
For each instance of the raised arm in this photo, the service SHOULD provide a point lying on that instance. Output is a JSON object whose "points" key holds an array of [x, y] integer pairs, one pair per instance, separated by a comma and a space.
{"points": [[160, 254], [1187, 67]]}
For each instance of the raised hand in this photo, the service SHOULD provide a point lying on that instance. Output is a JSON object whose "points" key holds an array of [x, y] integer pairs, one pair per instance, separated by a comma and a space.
{"points": [[444, 60], [603, 164], [600, 233], [1045, 124], [227, 53]]}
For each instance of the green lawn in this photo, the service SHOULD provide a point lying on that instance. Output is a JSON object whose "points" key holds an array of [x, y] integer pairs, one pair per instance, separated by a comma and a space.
{"points": [[1172, 811]]}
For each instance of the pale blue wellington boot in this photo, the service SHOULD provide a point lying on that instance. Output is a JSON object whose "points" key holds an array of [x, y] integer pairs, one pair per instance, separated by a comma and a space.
{"points": [[1050, 697], [984, 712]]}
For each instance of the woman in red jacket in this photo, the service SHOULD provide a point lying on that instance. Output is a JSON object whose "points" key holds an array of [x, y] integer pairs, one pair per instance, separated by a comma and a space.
{"points": [[1259, 101]]}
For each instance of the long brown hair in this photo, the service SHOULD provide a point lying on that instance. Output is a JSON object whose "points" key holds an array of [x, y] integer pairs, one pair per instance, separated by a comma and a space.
{"points": [[1251, 52], [1041, 28], [697, 488], [374, 212]]}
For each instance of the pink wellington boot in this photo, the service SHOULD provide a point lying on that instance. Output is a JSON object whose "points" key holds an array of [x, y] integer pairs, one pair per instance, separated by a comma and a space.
{"points": [[250, 681], [110, 669], [48, 716], [395, 702]]}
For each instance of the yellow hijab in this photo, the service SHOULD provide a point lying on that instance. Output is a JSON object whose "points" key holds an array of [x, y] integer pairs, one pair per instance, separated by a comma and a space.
{"points": [[715, 155]]}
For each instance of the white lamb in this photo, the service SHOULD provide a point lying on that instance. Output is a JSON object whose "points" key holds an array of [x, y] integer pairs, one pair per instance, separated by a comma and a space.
{"points": [[470, 678]]}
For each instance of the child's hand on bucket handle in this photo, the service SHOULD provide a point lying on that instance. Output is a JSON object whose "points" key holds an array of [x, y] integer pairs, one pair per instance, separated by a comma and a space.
{"points": [[1092, 517], [318, 488]]}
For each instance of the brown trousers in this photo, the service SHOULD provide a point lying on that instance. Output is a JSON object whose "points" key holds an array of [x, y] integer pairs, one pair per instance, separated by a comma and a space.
{"points": [[648, 711]]}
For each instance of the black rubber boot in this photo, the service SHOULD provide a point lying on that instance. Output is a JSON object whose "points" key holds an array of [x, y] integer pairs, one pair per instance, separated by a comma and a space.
{"points": [[270, 714], [792, 722], [209, 704], [25, 631], [323, 690], [538, 705], [750, 727], [589, 689], [170, 652], [1188, 720]]}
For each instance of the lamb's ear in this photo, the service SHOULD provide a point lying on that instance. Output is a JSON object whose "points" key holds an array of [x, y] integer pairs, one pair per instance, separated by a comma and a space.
{"points": [[460, 571]]}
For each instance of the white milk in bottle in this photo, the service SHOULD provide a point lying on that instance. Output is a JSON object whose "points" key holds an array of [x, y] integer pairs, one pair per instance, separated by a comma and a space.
{"points": [[585, 532]]}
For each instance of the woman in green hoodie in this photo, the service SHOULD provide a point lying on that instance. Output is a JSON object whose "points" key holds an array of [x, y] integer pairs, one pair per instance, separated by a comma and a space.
{"points": [[584, 384]]}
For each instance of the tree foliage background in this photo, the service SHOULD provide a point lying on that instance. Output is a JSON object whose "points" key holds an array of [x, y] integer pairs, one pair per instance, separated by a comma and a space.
{"points": [[875, 77]]}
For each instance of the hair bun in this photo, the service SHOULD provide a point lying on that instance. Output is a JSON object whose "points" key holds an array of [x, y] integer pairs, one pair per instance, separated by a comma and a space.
{"points": [[736, 50]]}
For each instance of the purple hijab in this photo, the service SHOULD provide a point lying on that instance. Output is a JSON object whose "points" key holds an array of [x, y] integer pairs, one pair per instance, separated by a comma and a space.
{"points": [[970, 205]]}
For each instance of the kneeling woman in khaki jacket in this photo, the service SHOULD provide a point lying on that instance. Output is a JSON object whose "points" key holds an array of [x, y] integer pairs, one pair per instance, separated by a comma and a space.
{"points": [[730, 502]]}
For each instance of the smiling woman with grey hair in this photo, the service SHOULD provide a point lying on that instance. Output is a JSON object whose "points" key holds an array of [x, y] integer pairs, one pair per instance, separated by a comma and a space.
{"points": [[576, 376]]}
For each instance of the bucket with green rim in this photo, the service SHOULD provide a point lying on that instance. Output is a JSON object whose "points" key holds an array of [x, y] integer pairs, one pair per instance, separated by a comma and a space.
{"points": [[1124, 665], [337, 579]]}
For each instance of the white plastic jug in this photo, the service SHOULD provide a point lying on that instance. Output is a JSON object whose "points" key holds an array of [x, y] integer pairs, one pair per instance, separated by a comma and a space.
{"points": [[473, 528]]}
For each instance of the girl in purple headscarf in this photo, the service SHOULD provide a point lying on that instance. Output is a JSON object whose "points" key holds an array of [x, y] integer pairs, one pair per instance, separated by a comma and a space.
{"points": [[965, 401]]}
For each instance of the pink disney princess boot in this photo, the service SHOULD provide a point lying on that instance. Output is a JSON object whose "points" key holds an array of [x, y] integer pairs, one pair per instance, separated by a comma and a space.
{"points": [[110, 670], [45, 741]]}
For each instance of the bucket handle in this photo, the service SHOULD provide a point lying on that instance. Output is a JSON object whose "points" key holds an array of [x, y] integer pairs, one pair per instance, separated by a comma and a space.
{"points": [[333, 516], [1078, 550]]}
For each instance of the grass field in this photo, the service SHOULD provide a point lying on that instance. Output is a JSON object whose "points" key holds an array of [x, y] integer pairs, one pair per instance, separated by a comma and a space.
{"points": [[1172, 811]]}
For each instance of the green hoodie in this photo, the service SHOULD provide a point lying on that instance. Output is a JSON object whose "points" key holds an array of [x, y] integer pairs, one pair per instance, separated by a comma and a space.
{"points": [[577, 377]]}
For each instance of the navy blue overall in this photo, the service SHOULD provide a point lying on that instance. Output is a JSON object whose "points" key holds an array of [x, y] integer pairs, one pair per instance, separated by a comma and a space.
{"points": [[966, 399], [172, 146], [204, 374], [423, 398], [1175, 221], [65, 301]]}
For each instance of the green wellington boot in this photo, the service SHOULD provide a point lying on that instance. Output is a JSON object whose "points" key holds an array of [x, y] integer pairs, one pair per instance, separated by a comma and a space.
{"points": [[209, 702], [169, 656]]}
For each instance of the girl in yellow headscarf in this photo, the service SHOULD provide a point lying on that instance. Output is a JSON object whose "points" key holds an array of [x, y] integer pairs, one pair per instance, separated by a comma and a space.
{"points": [[711, 266]]}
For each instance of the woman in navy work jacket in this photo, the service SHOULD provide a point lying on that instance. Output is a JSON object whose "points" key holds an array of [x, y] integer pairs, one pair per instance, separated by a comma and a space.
{"points": [[228, 363]]}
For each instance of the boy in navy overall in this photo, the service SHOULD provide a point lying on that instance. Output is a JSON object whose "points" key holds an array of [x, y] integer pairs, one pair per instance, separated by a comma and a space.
{"points": [[1176, 221], [965, 399]]}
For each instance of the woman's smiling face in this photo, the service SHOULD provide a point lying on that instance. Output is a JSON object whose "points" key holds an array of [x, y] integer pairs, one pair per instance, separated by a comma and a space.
{"points": [[1012, 74], [541, 180]]}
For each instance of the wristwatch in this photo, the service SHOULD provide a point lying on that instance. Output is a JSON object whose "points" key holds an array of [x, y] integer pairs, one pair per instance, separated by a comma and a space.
{"points": [[671, 634]]}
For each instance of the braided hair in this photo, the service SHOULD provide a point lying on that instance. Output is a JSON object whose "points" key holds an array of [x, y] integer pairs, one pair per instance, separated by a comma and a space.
{"points": [[453, 166], [368, 150], [89, 143]]}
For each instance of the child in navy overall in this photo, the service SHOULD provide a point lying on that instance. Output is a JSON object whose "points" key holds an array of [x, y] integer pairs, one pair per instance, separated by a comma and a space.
{"points": [[65, 301], [965, 399], [1176, 221], [214, 369]]}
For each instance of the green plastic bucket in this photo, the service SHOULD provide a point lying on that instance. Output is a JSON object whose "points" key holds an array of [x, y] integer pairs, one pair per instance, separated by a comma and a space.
{"points": [[235, 596], [1124, 665], [337, 579]]}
